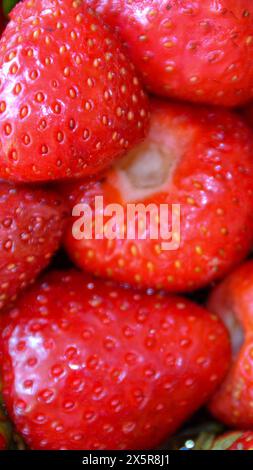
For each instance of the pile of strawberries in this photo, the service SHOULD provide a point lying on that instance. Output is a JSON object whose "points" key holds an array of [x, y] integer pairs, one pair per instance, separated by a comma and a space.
{"points": [[145, 102]]}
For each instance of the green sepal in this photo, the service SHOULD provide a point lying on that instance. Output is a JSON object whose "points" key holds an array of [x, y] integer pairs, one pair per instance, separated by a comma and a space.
{"points": [[8, 5]]}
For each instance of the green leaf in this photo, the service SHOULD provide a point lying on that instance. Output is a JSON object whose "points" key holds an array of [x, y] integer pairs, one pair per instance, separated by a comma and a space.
{"points": [[8, 5], [226, 441]]}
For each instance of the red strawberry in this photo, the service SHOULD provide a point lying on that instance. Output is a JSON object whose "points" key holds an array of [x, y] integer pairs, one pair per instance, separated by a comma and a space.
{"points": [[199, 51], [70, 102], [201, 159], [233, 301], [233, 441], [89, 365], [31, 226]]}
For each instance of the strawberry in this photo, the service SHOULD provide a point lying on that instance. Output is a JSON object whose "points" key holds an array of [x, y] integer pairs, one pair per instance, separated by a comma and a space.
{"points": [[89, 365], [200, 51], [233, 301], [70, 102], [201, 159], [31, 227], [233, 441]]}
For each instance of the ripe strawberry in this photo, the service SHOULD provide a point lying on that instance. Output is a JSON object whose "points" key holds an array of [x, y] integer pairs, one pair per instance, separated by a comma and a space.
{"points": [[31, 226], [233, 301], [233, 441], [70, 102], [89, 365], [201, 159], [200, 51]]}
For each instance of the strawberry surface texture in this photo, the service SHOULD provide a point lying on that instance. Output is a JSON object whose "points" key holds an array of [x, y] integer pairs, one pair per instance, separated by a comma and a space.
{"points": [[232, 300], [199, 51], [126, 227], [198, 158], [89, 365], [32, 222], [70, 101]]}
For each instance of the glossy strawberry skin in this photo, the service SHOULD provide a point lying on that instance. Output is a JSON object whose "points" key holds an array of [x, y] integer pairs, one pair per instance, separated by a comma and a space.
{"points": [[89, 365], [70, 102], [232, 300], [196, 51], [211, 151], [31, 228]]}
